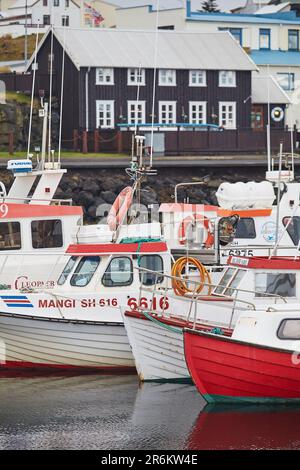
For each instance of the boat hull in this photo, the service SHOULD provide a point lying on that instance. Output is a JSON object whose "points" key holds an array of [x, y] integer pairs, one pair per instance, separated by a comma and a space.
{"points": [[28, 342], [226, 370]]}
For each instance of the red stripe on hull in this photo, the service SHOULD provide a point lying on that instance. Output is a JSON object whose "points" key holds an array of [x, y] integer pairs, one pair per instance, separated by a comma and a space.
{"points": [[35, 366], [224, 368]]}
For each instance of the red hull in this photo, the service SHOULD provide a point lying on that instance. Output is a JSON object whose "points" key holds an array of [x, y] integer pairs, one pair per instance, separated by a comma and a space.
{"points": [[226, 370]]}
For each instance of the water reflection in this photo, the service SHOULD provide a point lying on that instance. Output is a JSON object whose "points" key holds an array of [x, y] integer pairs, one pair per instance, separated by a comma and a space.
{"points": [[246, 427]]}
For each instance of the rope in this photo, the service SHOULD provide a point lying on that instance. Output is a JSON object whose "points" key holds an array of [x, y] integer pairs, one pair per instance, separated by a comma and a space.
{"points": [[162, 325], [180, 286]]}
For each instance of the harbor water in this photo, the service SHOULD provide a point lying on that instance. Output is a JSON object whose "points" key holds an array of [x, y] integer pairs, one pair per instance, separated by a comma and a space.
{"points": [[117, 413]]}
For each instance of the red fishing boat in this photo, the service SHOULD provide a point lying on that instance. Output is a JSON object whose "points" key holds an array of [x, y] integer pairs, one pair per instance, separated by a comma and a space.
{"points": [[259, 363]]}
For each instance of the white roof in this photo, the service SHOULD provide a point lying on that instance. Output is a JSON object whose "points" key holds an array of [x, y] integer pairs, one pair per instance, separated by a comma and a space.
{"points": [[101, 47], [260, 90], [270, 9]]}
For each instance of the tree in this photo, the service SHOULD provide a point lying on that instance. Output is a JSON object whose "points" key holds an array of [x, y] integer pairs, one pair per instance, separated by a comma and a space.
{"points": [[210, 6]]}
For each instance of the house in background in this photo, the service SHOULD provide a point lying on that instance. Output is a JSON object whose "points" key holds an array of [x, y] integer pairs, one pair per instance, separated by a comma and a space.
{"points": [[109, 76], [250, 6]]}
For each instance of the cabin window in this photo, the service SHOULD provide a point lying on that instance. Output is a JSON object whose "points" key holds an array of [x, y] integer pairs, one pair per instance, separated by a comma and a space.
{"points": [[84, 271], [245, 228], [10, 236], [46, 233], [153, 263], [292, 225], [283, 284], [66, 271], [229, 281], [119, 272], [289, 329]]}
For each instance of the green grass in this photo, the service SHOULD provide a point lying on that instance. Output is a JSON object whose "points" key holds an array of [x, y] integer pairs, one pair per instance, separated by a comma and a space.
{"points": [[13, 48], [18, 97]]}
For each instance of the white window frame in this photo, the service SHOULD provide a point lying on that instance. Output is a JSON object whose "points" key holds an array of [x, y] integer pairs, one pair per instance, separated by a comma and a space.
{"points": [[105, 125], [137, 72], [135, 104], [198, 82], [172, 104], [228, 83], [107, 73], [199, 104], [164, 75], [221, 123]]}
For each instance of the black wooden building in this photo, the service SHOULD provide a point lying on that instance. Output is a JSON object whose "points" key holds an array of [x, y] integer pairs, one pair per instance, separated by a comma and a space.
{"points": [[204, 96]]}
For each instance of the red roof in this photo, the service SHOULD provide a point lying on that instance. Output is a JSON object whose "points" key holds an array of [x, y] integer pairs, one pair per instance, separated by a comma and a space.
{"points": [[120, 248], [263, 262], [23, 211]]}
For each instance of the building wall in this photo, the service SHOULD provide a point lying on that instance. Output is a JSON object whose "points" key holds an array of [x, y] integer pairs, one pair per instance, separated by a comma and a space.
{"points": [[144, 18], [38, 11]]}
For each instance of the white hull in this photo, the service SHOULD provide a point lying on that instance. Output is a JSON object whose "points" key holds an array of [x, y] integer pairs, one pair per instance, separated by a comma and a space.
{"points": [[46, 343], [158, 351]]}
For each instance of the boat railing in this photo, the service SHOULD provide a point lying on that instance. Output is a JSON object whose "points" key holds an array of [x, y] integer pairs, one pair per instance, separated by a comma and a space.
{"points": [[55, 202], [165, 290]]}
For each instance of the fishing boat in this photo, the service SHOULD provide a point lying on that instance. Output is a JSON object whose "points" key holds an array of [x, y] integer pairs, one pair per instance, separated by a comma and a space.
{"points": [[259, 363], [247, 284]]}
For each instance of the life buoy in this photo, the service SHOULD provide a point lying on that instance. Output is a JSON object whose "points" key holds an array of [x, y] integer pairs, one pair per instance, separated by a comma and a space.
{"points": [[120, 208], [191, 220]]}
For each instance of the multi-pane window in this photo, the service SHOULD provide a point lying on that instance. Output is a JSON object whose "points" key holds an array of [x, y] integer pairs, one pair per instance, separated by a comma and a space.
{"points": [[293, 40], [167, 112], [167, 77], [197, 112], [286, 81], [67, 3], [227, 114], [65, 20], [237, 33], [136, 76], [46, 20], [104, 76], [10, 236], [105, 116], [56, 3], [136, 112], [197, 77], [46, 233], [264, 38], [227, 78]]}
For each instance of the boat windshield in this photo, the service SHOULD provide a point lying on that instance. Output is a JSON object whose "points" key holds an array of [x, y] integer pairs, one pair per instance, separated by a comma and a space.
{"points": [[84, 271], [229, 282], [66, 271]]}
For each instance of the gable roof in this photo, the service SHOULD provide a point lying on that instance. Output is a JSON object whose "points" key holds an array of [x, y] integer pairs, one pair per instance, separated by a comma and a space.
{"points": [[101, 47], [260, 90]]}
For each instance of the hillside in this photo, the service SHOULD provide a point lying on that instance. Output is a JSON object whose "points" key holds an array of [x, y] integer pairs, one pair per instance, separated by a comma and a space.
{"points": [[13, 48]]}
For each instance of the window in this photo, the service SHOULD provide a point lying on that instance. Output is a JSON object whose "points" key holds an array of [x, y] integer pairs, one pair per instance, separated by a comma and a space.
{"points": [[118, 273], [67, 3], [245, 228], [286, 81], [167, 112], [293, 40], [65, 20], [227, 114], [66, 271], [136, 112], [46, 20], [197, 77], [46, 233], [283, 284], [289, 329], [167, 77], [293, 228], [229, 281], [237, 33], [197, 112], [227, 78], [10, 236], [104, 76], [56, 3], [45, 3], [105, 115], [264, 38], [153, 263], [84, 271], [136, 77]]}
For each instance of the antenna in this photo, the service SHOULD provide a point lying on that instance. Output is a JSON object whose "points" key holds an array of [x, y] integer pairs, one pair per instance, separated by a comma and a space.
{"points": [[154, 83], [61, 96], [32, 90]]}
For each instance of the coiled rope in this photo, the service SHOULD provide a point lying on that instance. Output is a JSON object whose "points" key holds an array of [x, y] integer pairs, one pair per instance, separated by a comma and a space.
{"points": [[181, 283]]}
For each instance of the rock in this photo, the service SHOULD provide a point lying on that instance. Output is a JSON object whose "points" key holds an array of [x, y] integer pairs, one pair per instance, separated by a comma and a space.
{"points": [[108, 196]]}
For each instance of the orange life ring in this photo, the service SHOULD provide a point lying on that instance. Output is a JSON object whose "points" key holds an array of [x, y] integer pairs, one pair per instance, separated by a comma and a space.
{"points": [[120, 208], [191, 220]]}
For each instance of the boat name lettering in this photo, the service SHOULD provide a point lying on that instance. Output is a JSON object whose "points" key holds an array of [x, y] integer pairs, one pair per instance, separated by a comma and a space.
{"points": [[3, 210], [72, 303], [144, 303], [239, 261], [22, 282]]}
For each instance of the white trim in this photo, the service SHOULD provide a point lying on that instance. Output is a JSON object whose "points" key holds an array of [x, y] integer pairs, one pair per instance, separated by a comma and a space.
{"points": [[107, 72], [169, 72], [136, 104], [112, 118], [203, 84], [136, 82], [221, 123], [204, 110], [227, 84], [172, 104]]}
